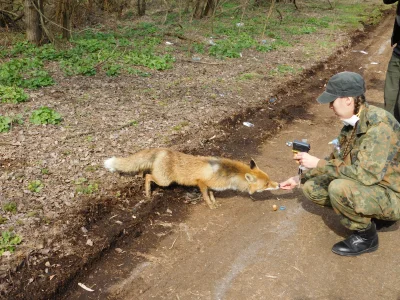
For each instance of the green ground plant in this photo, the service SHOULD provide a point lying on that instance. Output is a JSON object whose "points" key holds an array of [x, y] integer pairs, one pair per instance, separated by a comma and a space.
{"points": [[45, 171], [8, 241], [249, 76], [25, 72], [5, 123], [12, 94], [35, 186], [85, 187], [283, 69], [10, 207], [45, 115]]}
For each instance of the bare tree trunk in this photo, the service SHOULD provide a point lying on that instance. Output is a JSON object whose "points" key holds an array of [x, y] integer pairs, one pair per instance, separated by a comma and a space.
{"points": [[199, 9], [141, 5], [64, 10], [32, 19], [258, 3], [210, 8], [66, 24], [205, 8]]}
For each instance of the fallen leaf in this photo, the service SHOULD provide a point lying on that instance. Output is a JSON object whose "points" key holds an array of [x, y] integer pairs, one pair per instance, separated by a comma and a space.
{"points": [[85, 287]]}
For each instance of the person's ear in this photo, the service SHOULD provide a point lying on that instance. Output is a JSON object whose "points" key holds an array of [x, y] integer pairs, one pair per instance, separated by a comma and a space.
{"points": [[349, 100]]}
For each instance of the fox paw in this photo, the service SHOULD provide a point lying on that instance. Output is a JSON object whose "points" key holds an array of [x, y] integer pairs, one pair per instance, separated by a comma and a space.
{"points": [[214, 205]]}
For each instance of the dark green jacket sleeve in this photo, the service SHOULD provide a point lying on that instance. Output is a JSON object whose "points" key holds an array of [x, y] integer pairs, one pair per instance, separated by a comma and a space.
{"points": [[371, 162]]}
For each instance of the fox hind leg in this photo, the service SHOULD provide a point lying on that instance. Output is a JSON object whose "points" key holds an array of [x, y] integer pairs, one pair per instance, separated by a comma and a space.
{"points": [[149, 178], [147, 184]]}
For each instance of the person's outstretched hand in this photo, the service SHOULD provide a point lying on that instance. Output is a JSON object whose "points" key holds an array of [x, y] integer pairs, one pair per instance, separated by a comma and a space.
{"points": [[289, 184]]}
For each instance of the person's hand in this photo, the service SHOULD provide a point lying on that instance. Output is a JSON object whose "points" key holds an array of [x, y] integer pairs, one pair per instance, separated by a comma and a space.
{"points": [[291, 183], [307, 160]]}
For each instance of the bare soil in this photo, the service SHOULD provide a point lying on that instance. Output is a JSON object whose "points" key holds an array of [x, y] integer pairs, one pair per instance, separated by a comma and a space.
{"points": [[173, 246]]}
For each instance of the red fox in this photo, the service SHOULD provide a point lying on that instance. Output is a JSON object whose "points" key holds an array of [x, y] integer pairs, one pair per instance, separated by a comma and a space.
{"points": [[167, 166]]}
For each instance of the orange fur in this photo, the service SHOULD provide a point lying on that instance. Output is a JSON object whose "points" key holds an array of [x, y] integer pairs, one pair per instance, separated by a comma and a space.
{"points": [[167, 166]]}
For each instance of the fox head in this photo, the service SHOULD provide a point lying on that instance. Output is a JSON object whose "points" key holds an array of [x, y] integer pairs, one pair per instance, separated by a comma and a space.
{"points": [[258, 180]]}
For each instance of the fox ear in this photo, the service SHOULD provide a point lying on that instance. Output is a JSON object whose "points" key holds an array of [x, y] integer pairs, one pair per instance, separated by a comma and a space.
{"points": [[253, 164], [250, 178]]}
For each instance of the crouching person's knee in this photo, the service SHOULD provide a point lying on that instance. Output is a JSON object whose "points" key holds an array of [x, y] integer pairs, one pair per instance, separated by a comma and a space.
{"points": [[340, 193], [316, 192], [338, 188]]}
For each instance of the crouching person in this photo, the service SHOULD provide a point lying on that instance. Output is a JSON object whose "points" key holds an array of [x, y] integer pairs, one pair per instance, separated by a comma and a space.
{"points": [[361, 178]]}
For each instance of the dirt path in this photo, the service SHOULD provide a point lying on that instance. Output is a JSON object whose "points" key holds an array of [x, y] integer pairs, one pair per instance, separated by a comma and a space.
{"points": [[245, 250]]}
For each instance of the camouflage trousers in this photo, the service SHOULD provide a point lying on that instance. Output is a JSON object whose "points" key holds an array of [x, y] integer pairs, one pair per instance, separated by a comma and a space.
{"points": [[354, 202], [392, 87]]}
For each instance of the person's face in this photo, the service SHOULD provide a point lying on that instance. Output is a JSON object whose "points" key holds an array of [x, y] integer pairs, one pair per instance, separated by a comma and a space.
{"points": [[343, 107]]}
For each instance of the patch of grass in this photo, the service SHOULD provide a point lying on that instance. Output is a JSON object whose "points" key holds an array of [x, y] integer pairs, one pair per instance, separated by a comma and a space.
{"points": [[45, 115], [46, 220], [133, 123], [45, 171], [322, 22], [250, 76], [10, 207], [12, 94], [113, 70], [198, 48], [180, 125], [91, 168], [299, 30], [80, 180], [88, 189], [85, 187], [232, 47], [5, 123], [3, 220], [25, 73], [264, 47], [284, 69], [8, 241], [35, 186], [155, 62], [32, 214], [138, 72]]}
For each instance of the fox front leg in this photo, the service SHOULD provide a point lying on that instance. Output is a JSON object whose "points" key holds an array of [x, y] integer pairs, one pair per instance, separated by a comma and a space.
{"points": [[204, 191], [213, 199]]}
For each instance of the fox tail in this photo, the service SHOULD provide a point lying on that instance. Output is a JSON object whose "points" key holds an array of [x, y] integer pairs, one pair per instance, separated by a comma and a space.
{"points": [[134, 163]]}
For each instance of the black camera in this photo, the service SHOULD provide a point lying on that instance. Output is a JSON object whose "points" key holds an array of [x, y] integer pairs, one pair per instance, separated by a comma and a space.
{"points": [[299, 146]]}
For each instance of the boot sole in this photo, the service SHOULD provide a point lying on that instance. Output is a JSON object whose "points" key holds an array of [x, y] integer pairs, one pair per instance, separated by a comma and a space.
{"points": [[372, 249]]}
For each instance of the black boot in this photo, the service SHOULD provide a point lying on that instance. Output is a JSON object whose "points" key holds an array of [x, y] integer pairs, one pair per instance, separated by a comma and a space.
{"points": [[382, 224], [361, 241]]}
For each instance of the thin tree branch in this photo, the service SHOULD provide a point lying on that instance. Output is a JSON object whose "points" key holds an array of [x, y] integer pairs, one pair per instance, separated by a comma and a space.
{"points": [[268, 16]]}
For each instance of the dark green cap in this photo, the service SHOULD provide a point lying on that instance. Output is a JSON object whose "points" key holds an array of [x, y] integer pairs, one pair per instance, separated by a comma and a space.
{"points": [[344, 84]]}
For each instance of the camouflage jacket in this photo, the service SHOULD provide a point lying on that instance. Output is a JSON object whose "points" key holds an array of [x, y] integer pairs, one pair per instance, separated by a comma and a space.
{"points": [[373, 153]]}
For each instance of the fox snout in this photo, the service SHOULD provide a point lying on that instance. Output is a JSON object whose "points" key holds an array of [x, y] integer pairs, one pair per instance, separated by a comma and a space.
{"points": [[269, 186], [272, 186]]}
